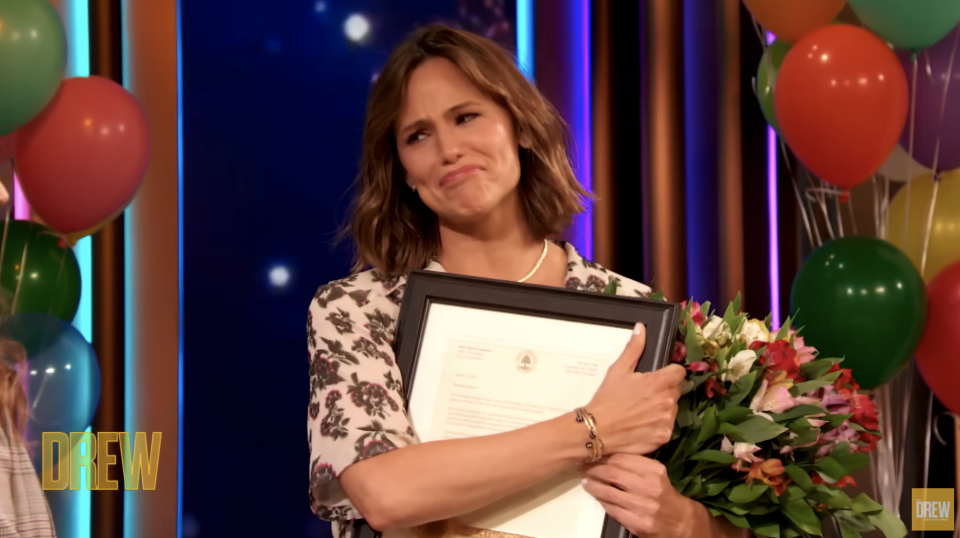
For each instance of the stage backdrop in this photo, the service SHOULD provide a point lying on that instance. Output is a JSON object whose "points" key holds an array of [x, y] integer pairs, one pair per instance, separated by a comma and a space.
{"points": [[273, 101]]}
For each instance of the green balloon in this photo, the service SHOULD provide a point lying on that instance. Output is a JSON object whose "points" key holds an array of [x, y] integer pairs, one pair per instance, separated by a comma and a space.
{"points": [[33, 58], [767, 79], [908, 24], [50, 272], [860, 298]]}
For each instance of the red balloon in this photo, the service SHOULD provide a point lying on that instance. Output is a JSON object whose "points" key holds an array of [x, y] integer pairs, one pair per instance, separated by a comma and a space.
{"points": [[83, 158], [841, 100], [938, 356]]}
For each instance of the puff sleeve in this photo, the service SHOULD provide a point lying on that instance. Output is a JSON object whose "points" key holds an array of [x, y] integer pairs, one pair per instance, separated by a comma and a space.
{"points": [[356, 399]]}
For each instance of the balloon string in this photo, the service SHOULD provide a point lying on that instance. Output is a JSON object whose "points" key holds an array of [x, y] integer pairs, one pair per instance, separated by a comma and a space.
{"points": [[796, 192], [23, 263], [936, 157], [853, 218], [836, 203], [913, 113]]}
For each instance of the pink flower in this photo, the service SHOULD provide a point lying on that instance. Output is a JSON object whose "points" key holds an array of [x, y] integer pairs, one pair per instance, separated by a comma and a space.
{"points": [[679, 352], [843, 433], [696, 315], [805, 354], [699, 366]]}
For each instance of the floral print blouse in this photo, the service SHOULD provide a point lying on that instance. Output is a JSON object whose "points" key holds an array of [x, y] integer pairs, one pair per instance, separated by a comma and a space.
{"points": [[356, 399]]}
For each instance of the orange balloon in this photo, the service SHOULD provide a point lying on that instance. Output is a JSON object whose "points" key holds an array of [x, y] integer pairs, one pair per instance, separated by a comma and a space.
{"points": [[790, 20], [841, 103]]}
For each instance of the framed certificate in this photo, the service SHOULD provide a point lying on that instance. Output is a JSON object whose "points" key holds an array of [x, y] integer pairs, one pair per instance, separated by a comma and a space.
{"points": [[482, 356]]}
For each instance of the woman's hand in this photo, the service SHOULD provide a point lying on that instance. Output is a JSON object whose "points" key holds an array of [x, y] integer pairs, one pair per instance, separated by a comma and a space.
{"points": [[636, 491], [635, 412]]}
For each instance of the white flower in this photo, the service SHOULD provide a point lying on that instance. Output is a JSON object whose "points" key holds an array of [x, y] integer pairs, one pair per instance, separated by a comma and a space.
{"points": [[752, 331], [718, 331], [741, 451], [739, 365]]}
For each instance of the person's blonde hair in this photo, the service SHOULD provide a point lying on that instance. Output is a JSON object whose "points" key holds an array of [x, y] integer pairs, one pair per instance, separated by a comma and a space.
{"points": [[392, 229], [14, 409]]}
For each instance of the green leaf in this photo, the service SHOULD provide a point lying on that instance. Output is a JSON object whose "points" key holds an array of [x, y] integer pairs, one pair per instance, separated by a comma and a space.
{"points": [[817, 367], [792, 493], [715, 456], [863, 504], [698, 379], [797, 412], [757, 429], [694, 488], [694, 349], [831, 496], [802, 515], [889, 524], [806, 433], [730, 431], [657, 296], [763, 509], [736, 303], [708, 428], [714, 487], [799, 477], [705, 308], [831, 468], [851, 461], [738, 323], [766, 527], [744, 494], [729, 315], [611, 288], [784, 330], [742, 388], [734, 414], [857, 522], [847, 531], [739, 521], [805, 387], [836, 420], [684, 414]]}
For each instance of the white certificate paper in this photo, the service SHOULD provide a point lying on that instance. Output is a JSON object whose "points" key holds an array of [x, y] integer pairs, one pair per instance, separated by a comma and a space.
{"points": [[482, 372]]}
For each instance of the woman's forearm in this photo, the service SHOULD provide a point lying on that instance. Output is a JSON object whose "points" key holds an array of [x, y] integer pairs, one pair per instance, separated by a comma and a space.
{"points": [[445, 479]]}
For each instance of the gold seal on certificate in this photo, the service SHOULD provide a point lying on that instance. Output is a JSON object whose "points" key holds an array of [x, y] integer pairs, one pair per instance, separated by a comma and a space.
{"points": [[480, 357]]}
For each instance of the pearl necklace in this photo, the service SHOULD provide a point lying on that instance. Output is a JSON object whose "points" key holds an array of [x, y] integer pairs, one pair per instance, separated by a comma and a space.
{"points": [[543, 255]]}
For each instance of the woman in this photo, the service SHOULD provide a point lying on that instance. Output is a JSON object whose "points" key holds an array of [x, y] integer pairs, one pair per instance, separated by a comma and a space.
{"points": [[465, 170]]}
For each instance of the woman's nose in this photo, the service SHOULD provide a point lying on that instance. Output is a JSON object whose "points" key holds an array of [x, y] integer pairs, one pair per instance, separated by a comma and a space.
{"points": [[448, 144]]}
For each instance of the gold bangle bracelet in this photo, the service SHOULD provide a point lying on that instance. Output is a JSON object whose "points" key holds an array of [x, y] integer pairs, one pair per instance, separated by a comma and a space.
{"points": [[595, 444]]}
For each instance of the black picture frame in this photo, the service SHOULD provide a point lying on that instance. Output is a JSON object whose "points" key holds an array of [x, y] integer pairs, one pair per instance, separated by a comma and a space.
{"points": [[425, 288]]}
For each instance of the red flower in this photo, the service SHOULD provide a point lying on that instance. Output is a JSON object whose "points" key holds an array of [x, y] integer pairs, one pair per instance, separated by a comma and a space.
{"points": [[757, 344], [864, 411], [845, 383], [842, 483], [868, 438], [698, 366], [679, 352], [770, 472], [712, 384], [781, 356], [696, 315]]}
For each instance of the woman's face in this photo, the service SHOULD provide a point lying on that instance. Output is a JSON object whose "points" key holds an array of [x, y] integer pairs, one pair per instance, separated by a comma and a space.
{"points": [[457, 146]]}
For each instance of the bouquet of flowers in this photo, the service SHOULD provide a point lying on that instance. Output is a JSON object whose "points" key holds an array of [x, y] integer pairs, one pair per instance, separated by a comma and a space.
{"points": [[768, 433]]}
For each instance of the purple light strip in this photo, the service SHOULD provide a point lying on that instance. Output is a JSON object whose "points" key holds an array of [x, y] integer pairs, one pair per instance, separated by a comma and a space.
{"points": [[21, 208], [772, 210]]}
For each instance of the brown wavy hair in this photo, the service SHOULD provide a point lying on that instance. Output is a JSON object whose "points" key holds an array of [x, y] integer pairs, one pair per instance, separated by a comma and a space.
{"points": [[392, 229]]}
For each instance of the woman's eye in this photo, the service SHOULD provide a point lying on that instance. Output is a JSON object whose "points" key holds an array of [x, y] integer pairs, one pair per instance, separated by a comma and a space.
{"points": [[415, 137], [464, 118]]}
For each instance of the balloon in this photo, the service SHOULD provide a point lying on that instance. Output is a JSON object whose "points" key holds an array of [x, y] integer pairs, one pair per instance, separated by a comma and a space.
{"points": [[63, 374], [861, 299], [900, 167], [767, 78], [929, 124], [100, 138], [938, 357], [841, 103], [944, 248], [51, 274], [33, 57], [908, 24], [76, 236], [790, 20]]}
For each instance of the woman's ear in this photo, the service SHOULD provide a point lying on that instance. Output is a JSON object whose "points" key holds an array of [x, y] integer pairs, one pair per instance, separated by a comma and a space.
{"points": [[524, 139]]}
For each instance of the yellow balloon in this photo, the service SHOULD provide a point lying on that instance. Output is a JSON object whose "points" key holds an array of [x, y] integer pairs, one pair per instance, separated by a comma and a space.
{"points": [[944, 247]]}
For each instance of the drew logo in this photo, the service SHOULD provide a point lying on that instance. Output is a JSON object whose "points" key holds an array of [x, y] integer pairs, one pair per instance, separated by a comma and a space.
{"points": [[933, 509], [83, 454]]}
